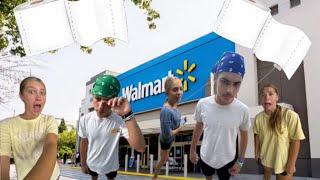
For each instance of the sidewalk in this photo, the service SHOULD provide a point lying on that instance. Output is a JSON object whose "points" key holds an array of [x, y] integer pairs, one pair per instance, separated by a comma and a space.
{"points": [[199, 176], [172, 175]]}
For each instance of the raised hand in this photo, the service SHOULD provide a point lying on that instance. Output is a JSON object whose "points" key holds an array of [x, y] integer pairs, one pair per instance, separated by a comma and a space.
{"points": [[120, 105]]}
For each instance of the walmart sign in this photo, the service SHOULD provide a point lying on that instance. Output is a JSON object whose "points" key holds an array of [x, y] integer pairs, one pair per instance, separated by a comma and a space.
{"points": [[143, 86], [142, 91]]}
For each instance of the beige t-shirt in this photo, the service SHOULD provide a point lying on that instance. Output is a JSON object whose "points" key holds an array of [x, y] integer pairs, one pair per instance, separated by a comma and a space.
{"points": [[274, 146], [24, 140]]}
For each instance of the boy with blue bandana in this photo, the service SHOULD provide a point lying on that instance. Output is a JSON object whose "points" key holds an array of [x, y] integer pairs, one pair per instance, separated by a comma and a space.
{"points": [[100, 129], [220, 117]]}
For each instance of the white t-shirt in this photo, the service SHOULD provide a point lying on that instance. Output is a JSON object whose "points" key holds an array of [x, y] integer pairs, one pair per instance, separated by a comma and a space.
{"points": [[221, 125], [103, 140]]}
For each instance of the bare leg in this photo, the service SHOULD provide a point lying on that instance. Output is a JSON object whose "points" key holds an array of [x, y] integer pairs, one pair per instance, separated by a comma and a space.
{"points": [[164, 157], [209, 177], [94, 177], [267, 172]]}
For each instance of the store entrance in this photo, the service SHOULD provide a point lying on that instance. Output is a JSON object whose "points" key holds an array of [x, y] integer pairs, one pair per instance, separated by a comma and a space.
{"points": [[176, 157]]}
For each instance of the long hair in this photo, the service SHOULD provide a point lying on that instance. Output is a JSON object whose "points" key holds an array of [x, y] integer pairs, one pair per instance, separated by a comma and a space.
{"points": [[275, 118]]}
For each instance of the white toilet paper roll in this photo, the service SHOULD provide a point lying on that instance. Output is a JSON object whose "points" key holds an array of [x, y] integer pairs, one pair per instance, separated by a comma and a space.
{"points": [[250, 24], [241, 21], [43, 26], [92, 21]]}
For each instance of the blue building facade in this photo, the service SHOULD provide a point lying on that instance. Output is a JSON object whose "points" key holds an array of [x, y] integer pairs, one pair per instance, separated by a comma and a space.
{"points": [[143, 86]]}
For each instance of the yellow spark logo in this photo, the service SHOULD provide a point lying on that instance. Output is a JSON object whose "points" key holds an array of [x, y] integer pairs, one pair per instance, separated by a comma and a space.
{"points": [[189, 70]]}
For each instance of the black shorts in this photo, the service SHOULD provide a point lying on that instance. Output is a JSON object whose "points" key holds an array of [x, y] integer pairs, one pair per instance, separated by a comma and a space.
{"points": [[110, 175], [165, 146], [223, 172]]}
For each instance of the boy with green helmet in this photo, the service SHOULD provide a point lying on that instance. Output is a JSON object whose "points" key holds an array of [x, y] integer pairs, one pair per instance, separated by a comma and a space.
{"points": [[100, 129]]}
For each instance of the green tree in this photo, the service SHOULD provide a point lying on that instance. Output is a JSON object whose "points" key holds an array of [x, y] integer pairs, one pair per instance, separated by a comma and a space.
{"points": [[10, 37], [62, 127], [66, 142]]}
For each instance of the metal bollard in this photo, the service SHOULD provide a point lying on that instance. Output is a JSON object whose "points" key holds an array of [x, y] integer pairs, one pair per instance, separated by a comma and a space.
{"points": [[126, 163], [167, 168], [151, 163], [185, 167], [138, 162]]}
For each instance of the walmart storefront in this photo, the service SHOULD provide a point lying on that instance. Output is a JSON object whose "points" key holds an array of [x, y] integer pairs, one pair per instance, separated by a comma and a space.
{"points": [[144, 88]]}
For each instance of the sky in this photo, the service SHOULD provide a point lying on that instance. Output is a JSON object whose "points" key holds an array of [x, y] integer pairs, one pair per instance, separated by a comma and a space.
{"points": [[66, 72]]}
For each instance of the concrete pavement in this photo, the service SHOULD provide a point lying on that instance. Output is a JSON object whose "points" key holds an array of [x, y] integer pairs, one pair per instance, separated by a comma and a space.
{"points": [[72, 173], [144, 174]]}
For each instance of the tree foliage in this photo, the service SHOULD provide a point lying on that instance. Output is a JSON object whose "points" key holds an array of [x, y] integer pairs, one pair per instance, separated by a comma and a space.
{"points": [[62, 127], [12, 72], [10, 37], [66, 142]]}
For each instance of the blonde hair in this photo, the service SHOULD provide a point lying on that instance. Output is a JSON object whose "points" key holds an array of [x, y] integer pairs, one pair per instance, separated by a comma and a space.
{"points": [[169, 81], [167, 84]]}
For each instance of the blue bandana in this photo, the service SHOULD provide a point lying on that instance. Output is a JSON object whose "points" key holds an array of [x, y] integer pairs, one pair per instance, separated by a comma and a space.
{"points": [[230, 62]]}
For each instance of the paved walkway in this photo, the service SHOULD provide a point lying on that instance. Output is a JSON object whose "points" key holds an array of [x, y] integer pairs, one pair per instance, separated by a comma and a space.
{"points": [[72, 173], [144, 174], [75, 173]]}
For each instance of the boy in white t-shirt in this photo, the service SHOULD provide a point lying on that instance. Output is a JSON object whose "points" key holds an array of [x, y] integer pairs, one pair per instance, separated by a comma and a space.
{"points": [[220, 117], [100, 129]]}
